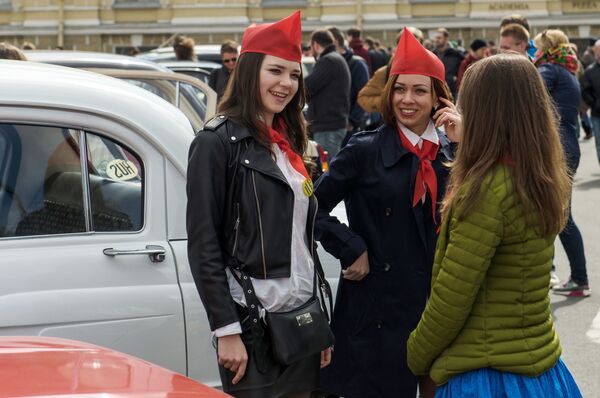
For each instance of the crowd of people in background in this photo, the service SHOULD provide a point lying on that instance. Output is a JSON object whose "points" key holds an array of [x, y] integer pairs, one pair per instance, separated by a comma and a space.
{"points": [[368, 53]]}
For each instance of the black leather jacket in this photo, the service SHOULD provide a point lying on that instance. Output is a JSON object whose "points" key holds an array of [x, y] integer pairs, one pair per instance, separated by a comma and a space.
{"points": [[239, 212]]}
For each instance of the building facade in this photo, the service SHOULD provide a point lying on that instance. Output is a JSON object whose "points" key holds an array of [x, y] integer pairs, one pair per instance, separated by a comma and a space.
{"points": [[119, 25]]}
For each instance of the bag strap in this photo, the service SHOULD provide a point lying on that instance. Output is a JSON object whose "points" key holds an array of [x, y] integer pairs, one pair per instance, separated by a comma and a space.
{"points": [[254, 304], [252, 300], [324, 288]]}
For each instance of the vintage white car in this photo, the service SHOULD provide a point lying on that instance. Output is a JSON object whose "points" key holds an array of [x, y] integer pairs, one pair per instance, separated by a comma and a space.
{"points": [[92, 218]]}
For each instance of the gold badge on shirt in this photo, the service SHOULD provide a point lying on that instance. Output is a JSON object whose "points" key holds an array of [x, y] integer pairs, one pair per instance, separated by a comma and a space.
{"points": [[307, 187]]}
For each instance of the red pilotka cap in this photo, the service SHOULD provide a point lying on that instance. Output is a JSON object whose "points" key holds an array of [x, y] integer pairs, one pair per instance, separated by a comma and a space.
{"points": [[281, 39], [411, 58]]}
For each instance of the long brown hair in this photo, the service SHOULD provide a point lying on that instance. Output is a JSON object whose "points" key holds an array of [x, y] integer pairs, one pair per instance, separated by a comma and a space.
{"points": [[242, 103], [439, 89], [508, 117]]}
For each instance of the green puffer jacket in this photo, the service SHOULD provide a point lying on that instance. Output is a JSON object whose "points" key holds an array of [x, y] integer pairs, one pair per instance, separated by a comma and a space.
{"points": [[489, 304]]}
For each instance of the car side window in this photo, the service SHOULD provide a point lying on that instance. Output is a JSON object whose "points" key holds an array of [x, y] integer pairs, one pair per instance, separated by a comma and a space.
{"points": [[40, 181], [116, 182]]}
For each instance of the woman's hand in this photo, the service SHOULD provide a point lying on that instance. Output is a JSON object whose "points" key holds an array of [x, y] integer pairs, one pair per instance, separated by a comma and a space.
{"points": [[326, 357], [427, 387], [359, 269], [451, 119], [232, 355]]}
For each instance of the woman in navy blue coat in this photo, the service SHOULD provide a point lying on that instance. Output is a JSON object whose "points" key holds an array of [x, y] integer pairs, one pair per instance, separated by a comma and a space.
{"points": [[391, 180], [557, 63]]}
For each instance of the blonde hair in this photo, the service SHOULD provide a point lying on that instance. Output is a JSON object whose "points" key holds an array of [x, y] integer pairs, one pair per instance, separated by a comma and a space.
{"points": [[417, 33], [549, 39], [520, 130], [516, 31], [184, 48]]}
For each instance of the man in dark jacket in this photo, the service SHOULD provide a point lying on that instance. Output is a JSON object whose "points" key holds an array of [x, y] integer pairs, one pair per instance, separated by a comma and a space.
{"points": [[591, 94], [451, 58], [379, 57], [220, 77], [328, 89], [359, 76], [358, 46]]}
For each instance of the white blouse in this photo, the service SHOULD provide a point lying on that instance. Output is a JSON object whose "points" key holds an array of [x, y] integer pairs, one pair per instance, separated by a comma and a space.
{"points": [[430, 134], [282, 294]]}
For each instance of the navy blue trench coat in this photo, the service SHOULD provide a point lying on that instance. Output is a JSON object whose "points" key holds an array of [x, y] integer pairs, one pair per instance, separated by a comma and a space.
{"points": [[373, 318]]}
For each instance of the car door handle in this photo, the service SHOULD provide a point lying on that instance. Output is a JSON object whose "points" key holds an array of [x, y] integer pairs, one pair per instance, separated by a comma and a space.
{"points": [[155, 252]]}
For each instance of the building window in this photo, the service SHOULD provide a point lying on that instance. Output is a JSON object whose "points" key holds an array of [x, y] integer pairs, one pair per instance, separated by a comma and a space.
{"points": [[433, 1], [285, 3], [135, 3], [5, 4]]}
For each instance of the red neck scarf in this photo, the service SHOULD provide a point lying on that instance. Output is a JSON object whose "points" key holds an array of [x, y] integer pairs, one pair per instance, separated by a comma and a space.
{"points": [[426, 180], [283, 144]]}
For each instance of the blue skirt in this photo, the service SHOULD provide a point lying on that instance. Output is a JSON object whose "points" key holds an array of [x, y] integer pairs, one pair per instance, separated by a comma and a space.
{"points": [[555, 383]]}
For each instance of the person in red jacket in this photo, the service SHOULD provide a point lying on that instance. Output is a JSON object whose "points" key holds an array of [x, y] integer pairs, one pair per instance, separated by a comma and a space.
{"points": [[358, 46], [478, 50]]}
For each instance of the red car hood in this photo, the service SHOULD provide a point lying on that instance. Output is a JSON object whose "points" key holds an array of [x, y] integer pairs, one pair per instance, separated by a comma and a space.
{"points": [[44, 366]]}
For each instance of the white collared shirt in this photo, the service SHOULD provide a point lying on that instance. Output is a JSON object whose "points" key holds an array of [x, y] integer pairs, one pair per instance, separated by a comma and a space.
{"points": [[282, 294], [430, 134]]}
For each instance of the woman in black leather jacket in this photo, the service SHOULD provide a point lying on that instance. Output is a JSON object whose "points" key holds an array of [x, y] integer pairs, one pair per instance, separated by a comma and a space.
{"points": [[250, 207]]}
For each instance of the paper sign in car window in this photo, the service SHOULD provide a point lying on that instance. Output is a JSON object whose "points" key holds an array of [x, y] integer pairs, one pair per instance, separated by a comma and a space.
{"points": [[121, 170]]}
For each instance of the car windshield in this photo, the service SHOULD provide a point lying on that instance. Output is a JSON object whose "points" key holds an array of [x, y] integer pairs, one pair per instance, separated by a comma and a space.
{"points": [[192, 101]]}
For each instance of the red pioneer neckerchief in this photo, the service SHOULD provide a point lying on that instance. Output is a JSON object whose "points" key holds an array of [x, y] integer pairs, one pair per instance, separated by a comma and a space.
{"points": [[294, 159], [426, 178]]}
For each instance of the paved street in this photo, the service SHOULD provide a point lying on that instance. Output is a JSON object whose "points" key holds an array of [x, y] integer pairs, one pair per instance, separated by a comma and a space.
{"points": [[577, 320]]}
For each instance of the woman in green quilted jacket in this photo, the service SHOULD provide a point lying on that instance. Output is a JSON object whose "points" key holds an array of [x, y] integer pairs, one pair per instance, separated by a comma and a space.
{"points": [[487, 330]]}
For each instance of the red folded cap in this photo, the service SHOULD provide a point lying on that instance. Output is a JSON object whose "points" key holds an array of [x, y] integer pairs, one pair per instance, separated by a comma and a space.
{"points": [[282, 39], [411, 58]]}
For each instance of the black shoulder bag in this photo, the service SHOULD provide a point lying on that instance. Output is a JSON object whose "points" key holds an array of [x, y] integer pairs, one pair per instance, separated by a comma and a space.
{"points": [[294, 334]]}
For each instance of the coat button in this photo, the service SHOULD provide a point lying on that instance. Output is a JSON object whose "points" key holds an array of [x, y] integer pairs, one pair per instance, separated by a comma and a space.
{"points": [[379, 325], [388, 211], [387, 267], [247, 161], [233, 138]]}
